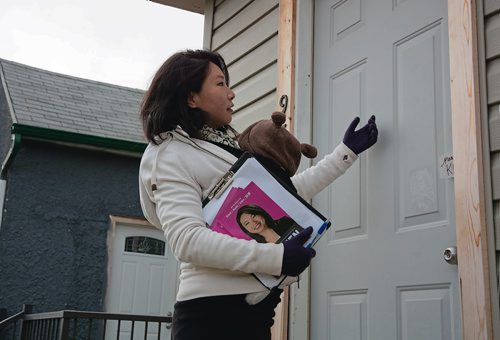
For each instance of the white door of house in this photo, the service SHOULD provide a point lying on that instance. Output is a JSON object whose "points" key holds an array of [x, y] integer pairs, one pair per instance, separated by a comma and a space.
{"points": [[380, 272], [142, 279]]}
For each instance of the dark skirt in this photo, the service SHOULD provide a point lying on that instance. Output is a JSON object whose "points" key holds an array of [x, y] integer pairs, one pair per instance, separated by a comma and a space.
{"points": [[227, 317]]}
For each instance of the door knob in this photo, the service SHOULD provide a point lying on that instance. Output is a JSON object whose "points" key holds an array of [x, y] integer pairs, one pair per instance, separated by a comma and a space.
{"points": [[450, 255]]}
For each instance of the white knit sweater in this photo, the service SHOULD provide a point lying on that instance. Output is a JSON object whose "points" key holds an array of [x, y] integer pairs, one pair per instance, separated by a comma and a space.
{"points": [[184, 170]]}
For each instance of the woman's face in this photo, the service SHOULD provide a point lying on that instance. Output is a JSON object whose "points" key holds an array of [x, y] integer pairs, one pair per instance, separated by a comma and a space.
{"points": [[215, 98], [254, 224]]}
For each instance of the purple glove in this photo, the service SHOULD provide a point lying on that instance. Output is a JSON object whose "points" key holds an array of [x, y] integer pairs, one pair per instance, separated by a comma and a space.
{"points": [[359, 141], [296, 258]]}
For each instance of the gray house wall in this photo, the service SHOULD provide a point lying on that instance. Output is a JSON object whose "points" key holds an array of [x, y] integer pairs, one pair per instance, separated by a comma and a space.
{"points": [[53, 251], [245, 33]]}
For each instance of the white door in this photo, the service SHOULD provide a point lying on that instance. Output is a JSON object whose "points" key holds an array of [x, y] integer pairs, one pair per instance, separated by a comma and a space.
{"points": [[142, 279], [380, 273]]}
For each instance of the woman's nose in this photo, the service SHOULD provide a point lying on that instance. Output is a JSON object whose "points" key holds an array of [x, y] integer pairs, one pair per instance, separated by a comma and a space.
{"points": [[231, 94]]}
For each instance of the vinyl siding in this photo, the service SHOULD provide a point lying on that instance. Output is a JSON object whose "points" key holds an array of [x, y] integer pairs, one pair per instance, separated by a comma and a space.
{"points": [[491, 10], [245, 33], [492, 54]]}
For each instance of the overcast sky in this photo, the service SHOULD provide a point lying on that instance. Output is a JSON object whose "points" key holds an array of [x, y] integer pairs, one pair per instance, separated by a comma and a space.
{"points": [[115, 41]]}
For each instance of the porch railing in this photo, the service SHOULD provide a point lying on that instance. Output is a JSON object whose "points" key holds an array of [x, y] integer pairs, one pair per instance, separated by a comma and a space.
{"points": [[70, 324], [10, 328]]}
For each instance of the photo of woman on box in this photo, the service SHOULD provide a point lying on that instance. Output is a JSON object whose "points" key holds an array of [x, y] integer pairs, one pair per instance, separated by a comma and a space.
{"points": [[259, 225]]}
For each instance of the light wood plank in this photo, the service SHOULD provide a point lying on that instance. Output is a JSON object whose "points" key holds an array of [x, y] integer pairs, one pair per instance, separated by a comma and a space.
{"points": [[286, 56], [285, 85], [470, 202]]}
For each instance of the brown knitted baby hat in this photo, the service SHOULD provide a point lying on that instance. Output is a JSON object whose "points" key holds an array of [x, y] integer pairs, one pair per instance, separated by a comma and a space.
{"points": [[270, 139]]}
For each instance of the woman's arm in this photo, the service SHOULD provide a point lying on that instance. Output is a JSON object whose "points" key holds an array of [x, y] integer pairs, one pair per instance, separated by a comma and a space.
{"points": [[317, 177], [179, 211]]}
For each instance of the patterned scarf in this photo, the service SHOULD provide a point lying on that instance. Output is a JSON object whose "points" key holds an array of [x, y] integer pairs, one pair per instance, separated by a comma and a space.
{"points": [[227, 136]]}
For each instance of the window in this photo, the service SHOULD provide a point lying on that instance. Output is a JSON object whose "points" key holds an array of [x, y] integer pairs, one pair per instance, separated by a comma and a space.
{"points": [[144, 245]]}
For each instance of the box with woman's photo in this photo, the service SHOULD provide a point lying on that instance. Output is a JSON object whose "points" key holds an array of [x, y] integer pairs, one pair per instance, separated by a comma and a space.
{"points": [[249, 213], [250, 203]]}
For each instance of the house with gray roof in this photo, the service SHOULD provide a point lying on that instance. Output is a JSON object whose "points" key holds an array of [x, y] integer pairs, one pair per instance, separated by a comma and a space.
{"points": [[70, 150], [43, 104]]}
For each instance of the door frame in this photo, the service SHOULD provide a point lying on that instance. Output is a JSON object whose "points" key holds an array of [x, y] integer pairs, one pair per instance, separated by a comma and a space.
{"points": [[475, 273]]}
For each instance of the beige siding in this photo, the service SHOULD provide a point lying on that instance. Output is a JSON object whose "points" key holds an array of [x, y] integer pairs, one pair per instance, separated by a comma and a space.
{"points": [[492, 53], [491, 6], [245, 33], [228, 10], [247, 115], [492, 31]]}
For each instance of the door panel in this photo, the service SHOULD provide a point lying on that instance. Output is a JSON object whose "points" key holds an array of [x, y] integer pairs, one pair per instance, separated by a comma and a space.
{"points": [[420, 108], [379, 273]]}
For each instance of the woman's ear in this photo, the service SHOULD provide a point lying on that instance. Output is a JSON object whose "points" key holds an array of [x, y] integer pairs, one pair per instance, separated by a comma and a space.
{"points": [[191, 101]]}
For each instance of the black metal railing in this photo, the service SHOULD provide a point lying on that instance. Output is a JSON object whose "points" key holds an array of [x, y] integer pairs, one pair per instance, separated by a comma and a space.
{"points": [[11, 327], [76, 325]]}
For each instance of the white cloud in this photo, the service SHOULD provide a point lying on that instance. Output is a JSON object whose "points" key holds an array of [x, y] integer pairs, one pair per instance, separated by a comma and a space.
{"points": [[116, 41]]}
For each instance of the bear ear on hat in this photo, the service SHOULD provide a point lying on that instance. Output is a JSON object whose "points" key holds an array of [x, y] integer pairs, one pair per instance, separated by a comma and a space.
{"points": [[278, 118], [308, 150]]}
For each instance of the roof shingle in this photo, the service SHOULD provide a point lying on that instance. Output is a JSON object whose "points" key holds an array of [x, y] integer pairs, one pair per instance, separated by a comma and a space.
{"points": [[56, 101]]}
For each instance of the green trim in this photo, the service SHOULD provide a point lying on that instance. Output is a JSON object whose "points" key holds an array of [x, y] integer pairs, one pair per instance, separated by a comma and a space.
{"points": [[16, 144], [78, 138]]}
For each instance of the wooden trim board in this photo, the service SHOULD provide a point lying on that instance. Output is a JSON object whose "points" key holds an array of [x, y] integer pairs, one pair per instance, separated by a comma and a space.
{"points": [[473, 269], [285, 85], [286, 56]]}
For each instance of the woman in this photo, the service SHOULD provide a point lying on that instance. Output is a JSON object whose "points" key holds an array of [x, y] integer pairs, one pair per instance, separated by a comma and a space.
{"points": [[259, 225], [186, 114]]}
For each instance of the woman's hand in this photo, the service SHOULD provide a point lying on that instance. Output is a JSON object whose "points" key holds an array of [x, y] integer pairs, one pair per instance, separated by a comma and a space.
{"points": [[359, 141], [296, 258]]}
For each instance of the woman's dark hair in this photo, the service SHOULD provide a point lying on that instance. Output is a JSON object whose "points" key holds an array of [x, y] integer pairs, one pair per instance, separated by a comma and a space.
{"points": [[253, 209], [164, 105]]}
